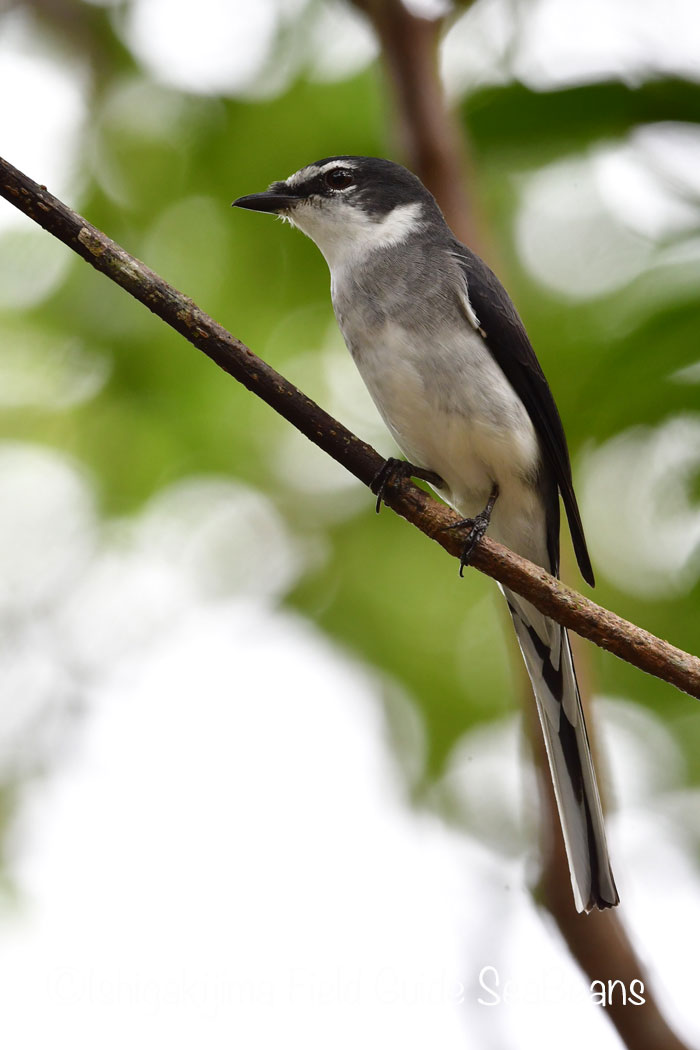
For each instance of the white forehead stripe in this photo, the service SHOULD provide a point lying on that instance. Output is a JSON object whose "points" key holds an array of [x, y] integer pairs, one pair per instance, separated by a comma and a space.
{"points": [[312, 170]]}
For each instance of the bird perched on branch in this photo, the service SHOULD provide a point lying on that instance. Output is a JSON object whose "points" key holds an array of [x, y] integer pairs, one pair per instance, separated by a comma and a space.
{"points": [[449, 365]]}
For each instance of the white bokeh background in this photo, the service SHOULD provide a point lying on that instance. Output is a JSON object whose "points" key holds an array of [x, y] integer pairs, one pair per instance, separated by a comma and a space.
{"points": [[185, 873]]}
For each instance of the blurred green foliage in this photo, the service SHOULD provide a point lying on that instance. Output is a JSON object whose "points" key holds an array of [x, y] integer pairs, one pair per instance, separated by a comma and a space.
{"points": [[158, 170]]}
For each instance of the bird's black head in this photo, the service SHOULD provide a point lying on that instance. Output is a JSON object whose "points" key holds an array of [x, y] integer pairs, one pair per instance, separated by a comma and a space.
{"points": [[348, 204], [374, 185]]}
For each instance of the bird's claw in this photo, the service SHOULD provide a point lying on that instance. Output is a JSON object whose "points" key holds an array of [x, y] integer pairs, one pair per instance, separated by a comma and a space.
{"points": [[477, 529], [393, 470], [390, 471]]}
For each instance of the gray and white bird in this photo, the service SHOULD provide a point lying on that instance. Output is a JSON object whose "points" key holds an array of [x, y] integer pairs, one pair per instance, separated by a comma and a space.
{"points": [[449, 365]]}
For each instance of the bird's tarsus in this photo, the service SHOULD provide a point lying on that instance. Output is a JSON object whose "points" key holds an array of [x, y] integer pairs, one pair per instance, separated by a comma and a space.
{"points": [[393, 470], [477, 528]]}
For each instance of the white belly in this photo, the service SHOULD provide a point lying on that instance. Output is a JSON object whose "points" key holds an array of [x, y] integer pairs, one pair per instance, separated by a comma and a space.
{"points": [[452, 410]]}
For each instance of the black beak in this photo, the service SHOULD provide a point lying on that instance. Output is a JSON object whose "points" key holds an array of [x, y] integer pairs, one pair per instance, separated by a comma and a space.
{"points": [[268, 201]]}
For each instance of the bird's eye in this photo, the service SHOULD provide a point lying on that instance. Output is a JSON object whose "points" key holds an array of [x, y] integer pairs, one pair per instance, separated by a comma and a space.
{"points": [[338, 178]]}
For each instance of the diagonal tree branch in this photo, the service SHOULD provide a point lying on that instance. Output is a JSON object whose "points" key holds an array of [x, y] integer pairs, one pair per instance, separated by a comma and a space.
{"points": [[631, 643]]}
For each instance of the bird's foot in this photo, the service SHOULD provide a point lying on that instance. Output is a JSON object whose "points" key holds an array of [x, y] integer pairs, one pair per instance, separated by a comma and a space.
{"points": [[393, 470], [477, 529]]}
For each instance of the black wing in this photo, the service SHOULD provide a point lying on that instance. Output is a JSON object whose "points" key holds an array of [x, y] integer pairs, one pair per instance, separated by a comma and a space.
{"points": [[506, 338]]}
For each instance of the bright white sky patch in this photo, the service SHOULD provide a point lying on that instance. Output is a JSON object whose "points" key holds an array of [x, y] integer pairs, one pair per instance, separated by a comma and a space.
{"points": [[652, 181], [341, 42], [568, 239], [40, 136], [562, 41], [550, 43], [428, 8], [644, 476], [473, 51], [32, 263], [39, 370], [591, 224], [42, 125], [47, 528], [215, 47]]}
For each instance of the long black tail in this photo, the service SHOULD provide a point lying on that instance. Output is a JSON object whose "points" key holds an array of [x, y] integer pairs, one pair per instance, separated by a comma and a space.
{"points": [[547, 654]]}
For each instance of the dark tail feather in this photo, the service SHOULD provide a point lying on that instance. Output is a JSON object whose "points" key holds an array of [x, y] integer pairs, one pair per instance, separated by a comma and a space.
{"points": [[547, 654]]}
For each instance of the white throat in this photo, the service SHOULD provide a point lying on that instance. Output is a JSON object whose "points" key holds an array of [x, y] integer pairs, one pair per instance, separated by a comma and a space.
{"points": [[346, 235]]}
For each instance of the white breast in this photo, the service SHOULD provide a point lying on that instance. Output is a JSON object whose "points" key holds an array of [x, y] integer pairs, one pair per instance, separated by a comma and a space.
{"points": [[451, 409]]}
